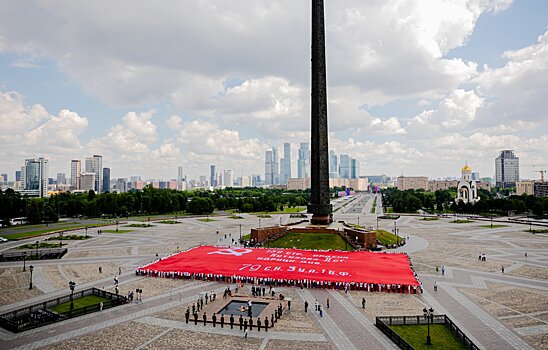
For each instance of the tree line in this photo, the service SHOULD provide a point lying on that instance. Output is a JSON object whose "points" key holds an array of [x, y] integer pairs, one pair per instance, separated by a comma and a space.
{"points": [[410, 201], [148, 201]]}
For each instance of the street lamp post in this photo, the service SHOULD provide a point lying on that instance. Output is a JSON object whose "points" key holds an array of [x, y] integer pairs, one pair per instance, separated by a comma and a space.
{"points": [[86, 230], [24, 261], [72, 285], [116, 225], [491, 222], [259, 222], [37, 244], [240, 233], [396, 233], [429, 314], [358, 221], [31, 268], [61, 239]]}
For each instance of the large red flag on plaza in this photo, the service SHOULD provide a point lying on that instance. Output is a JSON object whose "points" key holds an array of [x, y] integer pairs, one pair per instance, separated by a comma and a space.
{"points": [[291, 264]]}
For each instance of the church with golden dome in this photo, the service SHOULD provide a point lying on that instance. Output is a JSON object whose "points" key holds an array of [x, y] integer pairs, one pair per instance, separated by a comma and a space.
{"points": [[467, 191]]}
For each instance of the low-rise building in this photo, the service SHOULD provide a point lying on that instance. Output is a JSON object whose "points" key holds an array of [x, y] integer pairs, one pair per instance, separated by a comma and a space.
{"points": [[524, 187], [412, 183]]}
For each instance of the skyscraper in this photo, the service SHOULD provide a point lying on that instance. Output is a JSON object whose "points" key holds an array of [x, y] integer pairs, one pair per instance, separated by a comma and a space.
{"points": [[303, 161], [87, 181], [95, 165], [268, 180], [228, 178], [212, 181], [333, 165], [285, 170], [61, 179], [18, 175], [180, 176], [354, 168], [506, 169], [75, 171], [36, 177], [344, 166], [275, 166], [106, 180]]}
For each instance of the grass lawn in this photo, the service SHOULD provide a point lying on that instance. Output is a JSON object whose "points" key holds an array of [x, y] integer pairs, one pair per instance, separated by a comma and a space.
{"points": [[322, 241], [494, 226], [119, 231], [40, 245], [45, 230], [78, 303], [460, 221], [374, 206], [264, 216], [387, 238], [139, 225], [538, 230], [287, 210], [170, 222], [429, 219], [235, 217], [246, 237], [205, 220], [415, 335], [68, 238]]}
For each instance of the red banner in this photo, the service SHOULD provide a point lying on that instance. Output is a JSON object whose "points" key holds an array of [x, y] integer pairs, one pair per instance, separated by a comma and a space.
{"points": [[291, 264]]}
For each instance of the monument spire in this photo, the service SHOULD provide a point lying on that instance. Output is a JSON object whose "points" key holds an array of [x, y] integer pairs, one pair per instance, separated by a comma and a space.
{"points": [[319, 205]]}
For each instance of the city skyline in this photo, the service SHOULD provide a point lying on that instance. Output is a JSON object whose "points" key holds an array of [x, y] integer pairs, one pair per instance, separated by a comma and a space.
{"points": [[419, 92]]}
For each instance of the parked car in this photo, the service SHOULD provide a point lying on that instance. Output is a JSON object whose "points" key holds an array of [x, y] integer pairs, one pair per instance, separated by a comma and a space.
{"points": [[2, 240]]}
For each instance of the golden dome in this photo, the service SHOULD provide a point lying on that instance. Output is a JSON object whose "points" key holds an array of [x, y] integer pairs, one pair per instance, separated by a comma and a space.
{"points": [[466, 169]]}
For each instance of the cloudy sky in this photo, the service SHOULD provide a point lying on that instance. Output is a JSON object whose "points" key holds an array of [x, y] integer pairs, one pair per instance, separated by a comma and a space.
{"points": [[414, 87]]}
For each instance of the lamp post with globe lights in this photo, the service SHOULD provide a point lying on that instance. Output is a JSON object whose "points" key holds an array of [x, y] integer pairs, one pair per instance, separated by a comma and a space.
{"points": [[429, 314]]}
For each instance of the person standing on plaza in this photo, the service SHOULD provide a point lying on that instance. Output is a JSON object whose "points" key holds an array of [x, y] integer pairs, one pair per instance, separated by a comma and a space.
{"points": [[241, 321], [259, 324], [266, 324], [305, 306], [222, 320], [435, 286], [250, 324], [231, 321], [195, 318], [214, 319], [443, 270], [320, 310], [363, 302], [187, 314], [328, 303], [204, 317], [502, 269]]}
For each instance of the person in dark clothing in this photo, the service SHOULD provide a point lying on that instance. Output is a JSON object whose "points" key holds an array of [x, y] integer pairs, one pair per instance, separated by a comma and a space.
{"points": [[214, 319], [187, 314], [289, 305], [305, 306], [231, 321], [222, 321], [363, 303], [204, 317], [241, 321], [245, 325], [195, 318], [259, 324], [266, 324], [250, 324]]}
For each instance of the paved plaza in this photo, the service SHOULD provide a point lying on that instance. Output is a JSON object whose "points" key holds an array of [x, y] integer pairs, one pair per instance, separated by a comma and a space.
{"points": [[496, 310]]}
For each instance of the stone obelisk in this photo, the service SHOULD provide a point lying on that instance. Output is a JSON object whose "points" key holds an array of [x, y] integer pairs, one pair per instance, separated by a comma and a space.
{"points": [[319, 205]]}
